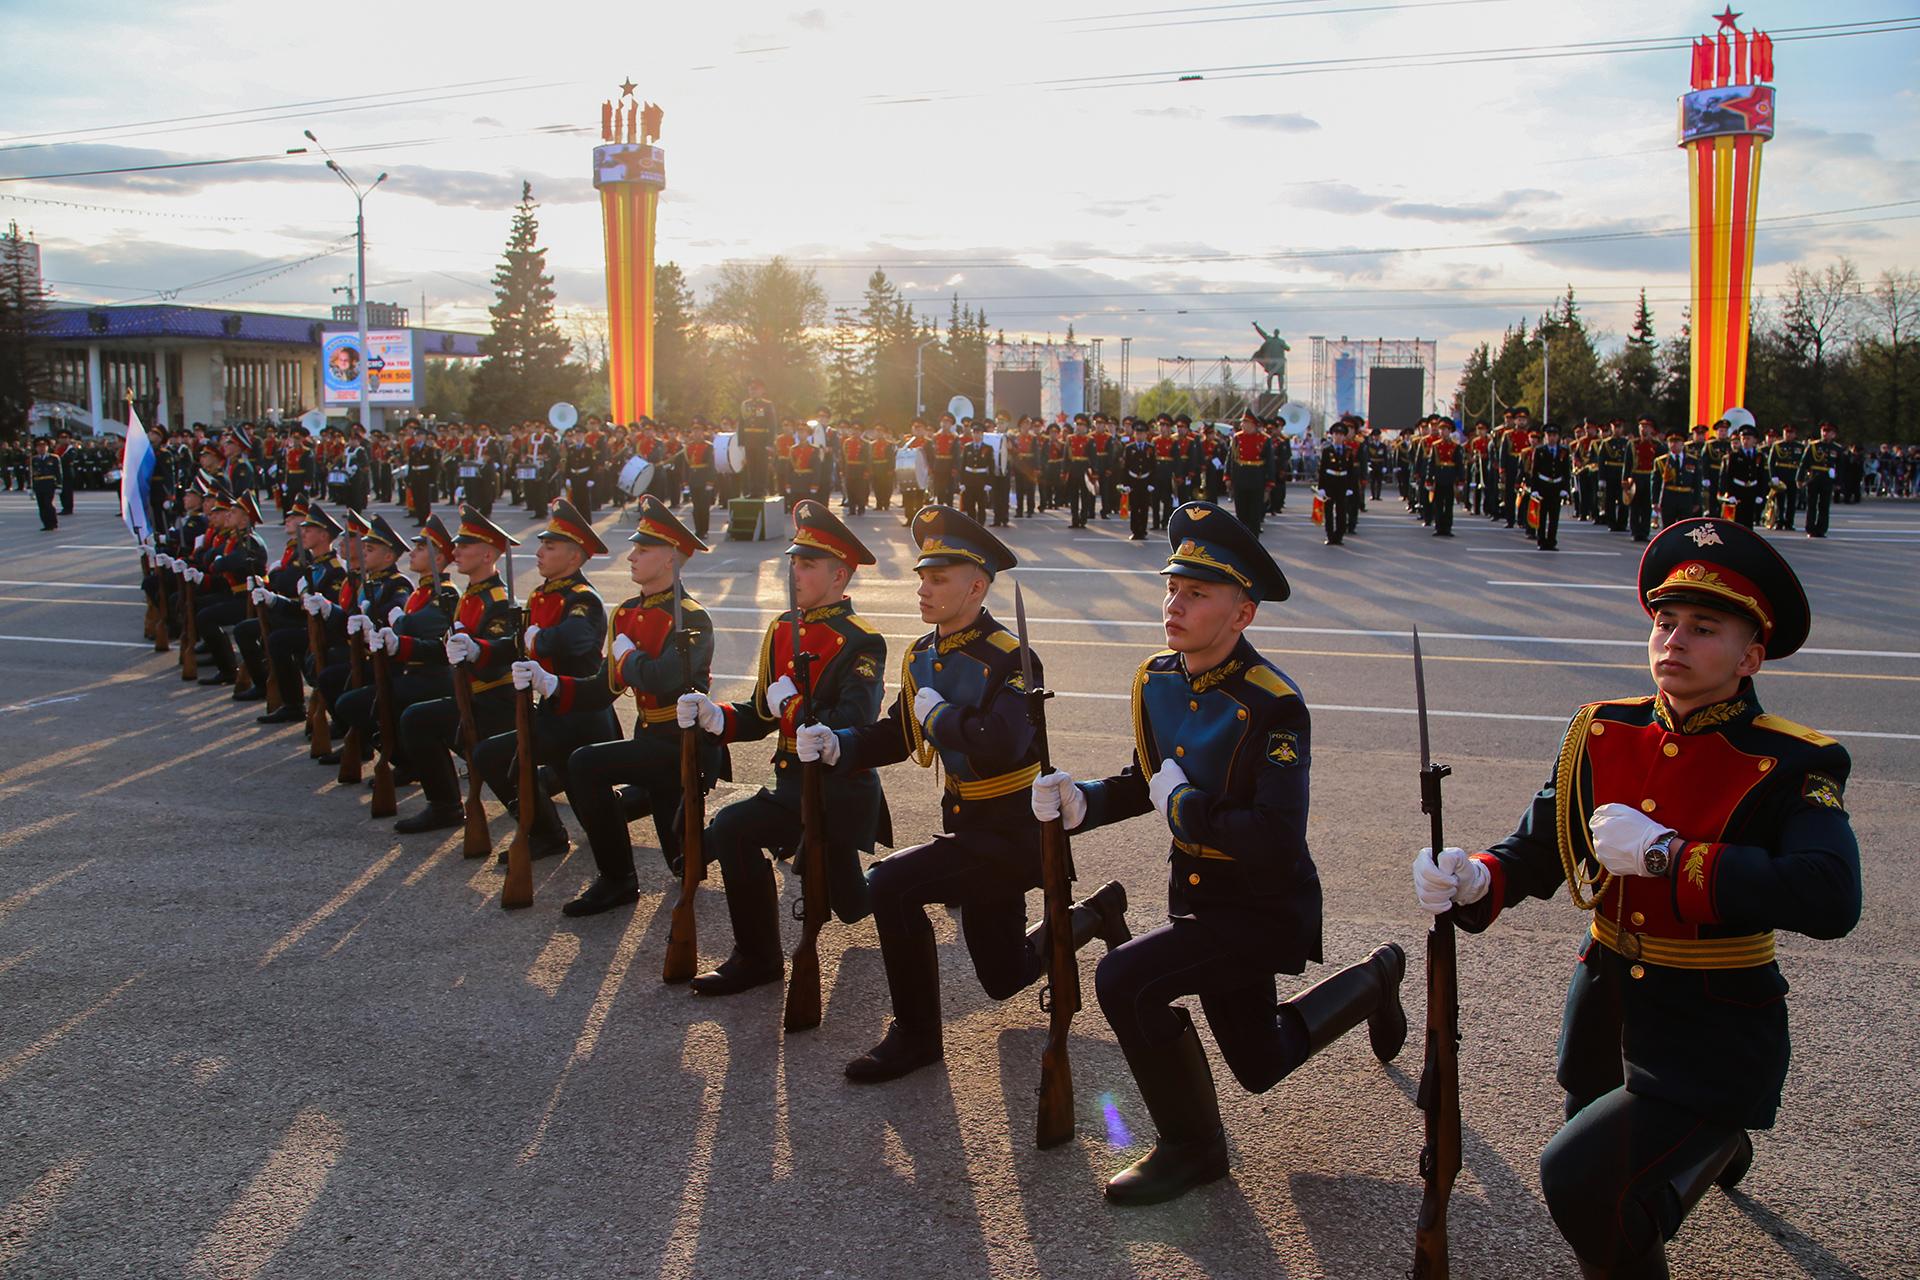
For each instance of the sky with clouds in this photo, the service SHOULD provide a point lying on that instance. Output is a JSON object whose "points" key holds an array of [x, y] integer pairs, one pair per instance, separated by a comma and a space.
{"points": [[1339, 167]]}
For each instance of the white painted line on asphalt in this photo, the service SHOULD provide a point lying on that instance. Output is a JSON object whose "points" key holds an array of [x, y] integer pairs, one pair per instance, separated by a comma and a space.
{"points": [[75, 546], [1565, 586], [1528, 551], [110, 644], [43, 702], [78, 586], [1355, 631]]}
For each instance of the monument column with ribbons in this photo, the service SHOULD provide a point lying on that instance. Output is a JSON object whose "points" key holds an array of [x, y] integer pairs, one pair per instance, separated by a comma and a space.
{"points": [[629, 172]]}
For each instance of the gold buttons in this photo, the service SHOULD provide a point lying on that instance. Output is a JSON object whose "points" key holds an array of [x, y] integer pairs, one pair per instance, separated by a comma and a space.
{"points": [[1671, 749], [1765, 765], [1194, 878], [956, 808], [1647, 806], [1639, 918], [1241, 714], [1596, 728], [783, 764], [1192, 705], [1638, 971]]}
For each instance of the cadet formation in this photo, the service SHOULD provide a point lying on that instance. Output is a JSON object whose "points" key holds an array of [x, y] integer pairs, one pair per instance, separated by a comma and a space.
{"points": [[1689, 825]]}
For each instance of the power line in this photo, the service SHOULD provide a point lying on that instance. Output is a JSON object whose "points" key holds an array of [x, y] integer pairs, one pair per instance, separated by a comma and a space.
{"points": [[1304, 13]]}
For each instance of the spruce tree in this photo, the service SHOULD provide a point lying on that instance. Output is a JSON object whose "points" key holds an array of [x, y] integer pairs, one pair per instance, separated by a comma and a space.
{"points": [[23, 303], [525, 369]]}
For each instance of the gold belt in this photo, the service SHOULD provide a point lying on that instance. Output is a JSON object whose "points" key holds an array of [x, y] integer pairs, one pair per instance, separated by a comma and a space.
{"points": [[1201, 851], [658, 715], [990, 788], [1744, 952]]}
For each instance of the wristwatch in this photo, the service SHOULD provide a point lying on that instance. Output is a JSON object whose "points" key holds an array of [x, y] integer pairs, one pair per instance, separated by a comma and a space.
{"points": [[1660, 856]]}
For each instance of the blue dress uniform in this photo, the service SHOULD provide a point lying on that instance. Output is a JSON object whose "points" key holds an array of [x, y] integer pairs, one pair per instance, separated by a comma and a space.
{"points": [[222, 599], [287, 641], [988, 853], [656, 671], [283, 580], [1243, 896], [848, 672], [417, 669], [430, 731], [1674, 1042], [572, 641]]}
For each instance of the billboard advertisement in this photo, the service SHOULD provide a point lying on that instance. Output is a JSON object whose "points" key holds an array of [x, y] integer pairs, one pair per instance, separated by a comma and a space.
{"points": [[1727, 111], [388, 362]]}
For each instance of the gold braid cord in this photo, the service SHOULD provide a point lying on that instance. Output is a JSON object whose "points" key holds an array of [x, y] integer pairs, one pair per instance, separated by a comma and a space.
{"points": [[1142, 753], [924, 753], [1566, 790]]}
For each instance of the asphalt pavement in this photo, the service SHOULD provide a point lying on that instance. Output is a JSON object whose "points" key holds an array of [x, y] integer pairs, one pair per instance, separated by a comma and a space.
{"points": [[245, 1031]]}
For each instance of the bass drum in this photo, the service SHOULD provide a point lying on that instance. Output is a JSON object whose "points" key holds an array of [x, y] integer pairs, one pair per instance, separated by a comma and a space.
{"points": [[1001, 442], [635, 476], [912, 470], [729, 454]]}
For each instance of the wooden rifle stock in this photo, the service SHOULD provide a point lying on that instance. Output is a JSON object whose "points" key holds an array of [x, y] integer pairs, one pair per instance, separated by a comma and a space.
{"points": [[1439, 1096], [160, 640], [1054, 1124], [478, 840], [803, 985], [272, 685], [319, 731], [518, 891], [683, 939], [383, 804], [189, 663], [352, 752]]}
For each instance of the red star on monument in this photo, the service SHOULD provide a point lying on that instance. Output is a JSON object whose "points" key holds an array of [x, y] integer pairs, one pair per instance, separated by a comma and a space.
{"points": [[1728, 18], [626, 88]]}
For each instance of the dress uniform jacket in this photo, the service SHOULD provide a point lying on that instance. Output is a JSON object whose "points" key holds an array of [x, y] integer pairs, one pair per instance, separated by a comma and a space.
{"points": [[654, 671], [1677, 972], [572, 642], [1238, 859], [485, 612]]}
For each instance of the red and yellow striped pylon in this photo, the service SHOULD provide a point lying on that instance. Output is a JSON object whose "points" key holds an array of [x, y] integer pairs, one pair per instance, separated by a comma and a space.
{"points": [[627, 213]]}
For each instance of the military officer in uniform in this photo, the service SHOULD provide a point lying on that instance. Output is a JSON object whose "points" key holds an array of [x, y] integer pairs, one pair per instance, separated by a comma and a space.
{"points": [[647, 657], [221, 594], [1222, 751], [1252, 461], [274, 593], [847, 673], [1443, 473], [1692, 825], [1338, 479], [287, 640], [1820, 462], [961, 701], [371, 593], [1676, 481], [565, 635], [1783, 473], [1743, 477], [412, 633], [482, 635], [46, 483], [1549, 475]]}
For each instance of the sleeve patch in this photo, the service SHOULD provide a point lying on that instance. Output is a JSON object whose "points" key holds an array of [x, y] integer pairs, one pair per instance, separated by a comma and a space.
{"points": [[580, 610], [1283, 748], [866, 669], [1821, 790]]}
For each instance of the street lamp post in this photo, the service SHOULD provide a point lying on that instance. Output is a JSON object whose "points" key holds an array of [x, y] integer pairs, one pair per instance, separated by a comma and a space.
{"points": [[919, 405], [360, 247]]}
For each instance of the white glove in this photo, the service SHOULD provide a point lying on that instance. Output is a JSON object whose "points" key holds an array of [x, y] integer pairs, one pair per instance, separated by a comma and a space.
{"points": [[1622, 835], [259, 595], [777, 694], [528, 674], [622, 646], [924, 701], [1163, 782], [387, 638], [1054, 795], [698, 708], [196, 577], [395, 614], [356, 623], [527, 638], [461, 648], [817, 742], [1454, 877], [323, 607]]}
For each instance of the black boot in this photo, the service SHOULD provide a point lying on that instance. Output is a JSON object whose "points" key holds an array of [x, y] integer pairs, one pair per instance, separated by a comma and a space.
{"points": [[252, 694], [913, 1038], [1102, 915], [602, 895], [753, 905], [432, 818], [1651, 1265], [547, 838], [287, 714], [1191, 1149], [1370, 990]]}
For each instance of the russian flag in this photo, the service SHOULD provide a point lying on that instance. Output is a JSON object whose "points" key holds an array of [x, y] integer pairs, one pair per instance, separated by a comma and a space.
{"points": [[136, 474]]}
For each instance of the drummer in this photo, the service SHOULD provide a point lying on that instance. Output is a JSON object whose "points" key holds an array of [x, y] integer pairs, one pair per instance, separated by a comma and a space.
{"points": [[913, 471]]}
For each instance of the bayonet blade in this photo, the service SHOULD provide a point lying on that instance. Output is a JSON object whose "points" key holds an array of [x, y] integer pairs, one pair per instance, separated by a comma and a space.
{"points": [[1420, 698], [1020, 629], [678, 625]]}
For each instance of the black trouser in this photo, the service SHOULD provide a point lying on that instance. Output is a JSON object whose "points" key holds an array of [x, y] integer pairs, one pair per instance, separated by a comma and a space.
{"points": [[883, 487], [1584, 495], [856, 490], [430, 733], [1249, 504], [1548, 532], [998, 488], [1640, 515], [1675, 507], [360, 708], [66, 499], [555, 739], [1163, 495], [1139, 507], [1023, 493], [1109, 493], [973, 498], [1613, 500], [943, 480], [739, 837], [1277, 496], [1079, 500], [1338, 514], [1510, 493], [226, 610], [287, 650], [987, 876], [419, 498], [1784, 505], [43, 491], [1442, 506], [650, 763], [756, 445], [1819, 504], [700, 498]]}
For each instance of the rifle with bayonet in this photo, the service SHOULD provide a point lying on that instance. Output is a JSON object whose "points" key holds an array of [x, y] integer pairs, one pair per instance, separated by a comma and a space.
{"points": [[353, 751], [319, 732], [1061, 996], [477, 841], [683, 939], [272, 681], [157, 602], [518, 891], [384, 803], [1439, 1097], [189, 631], [803, 985]]}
